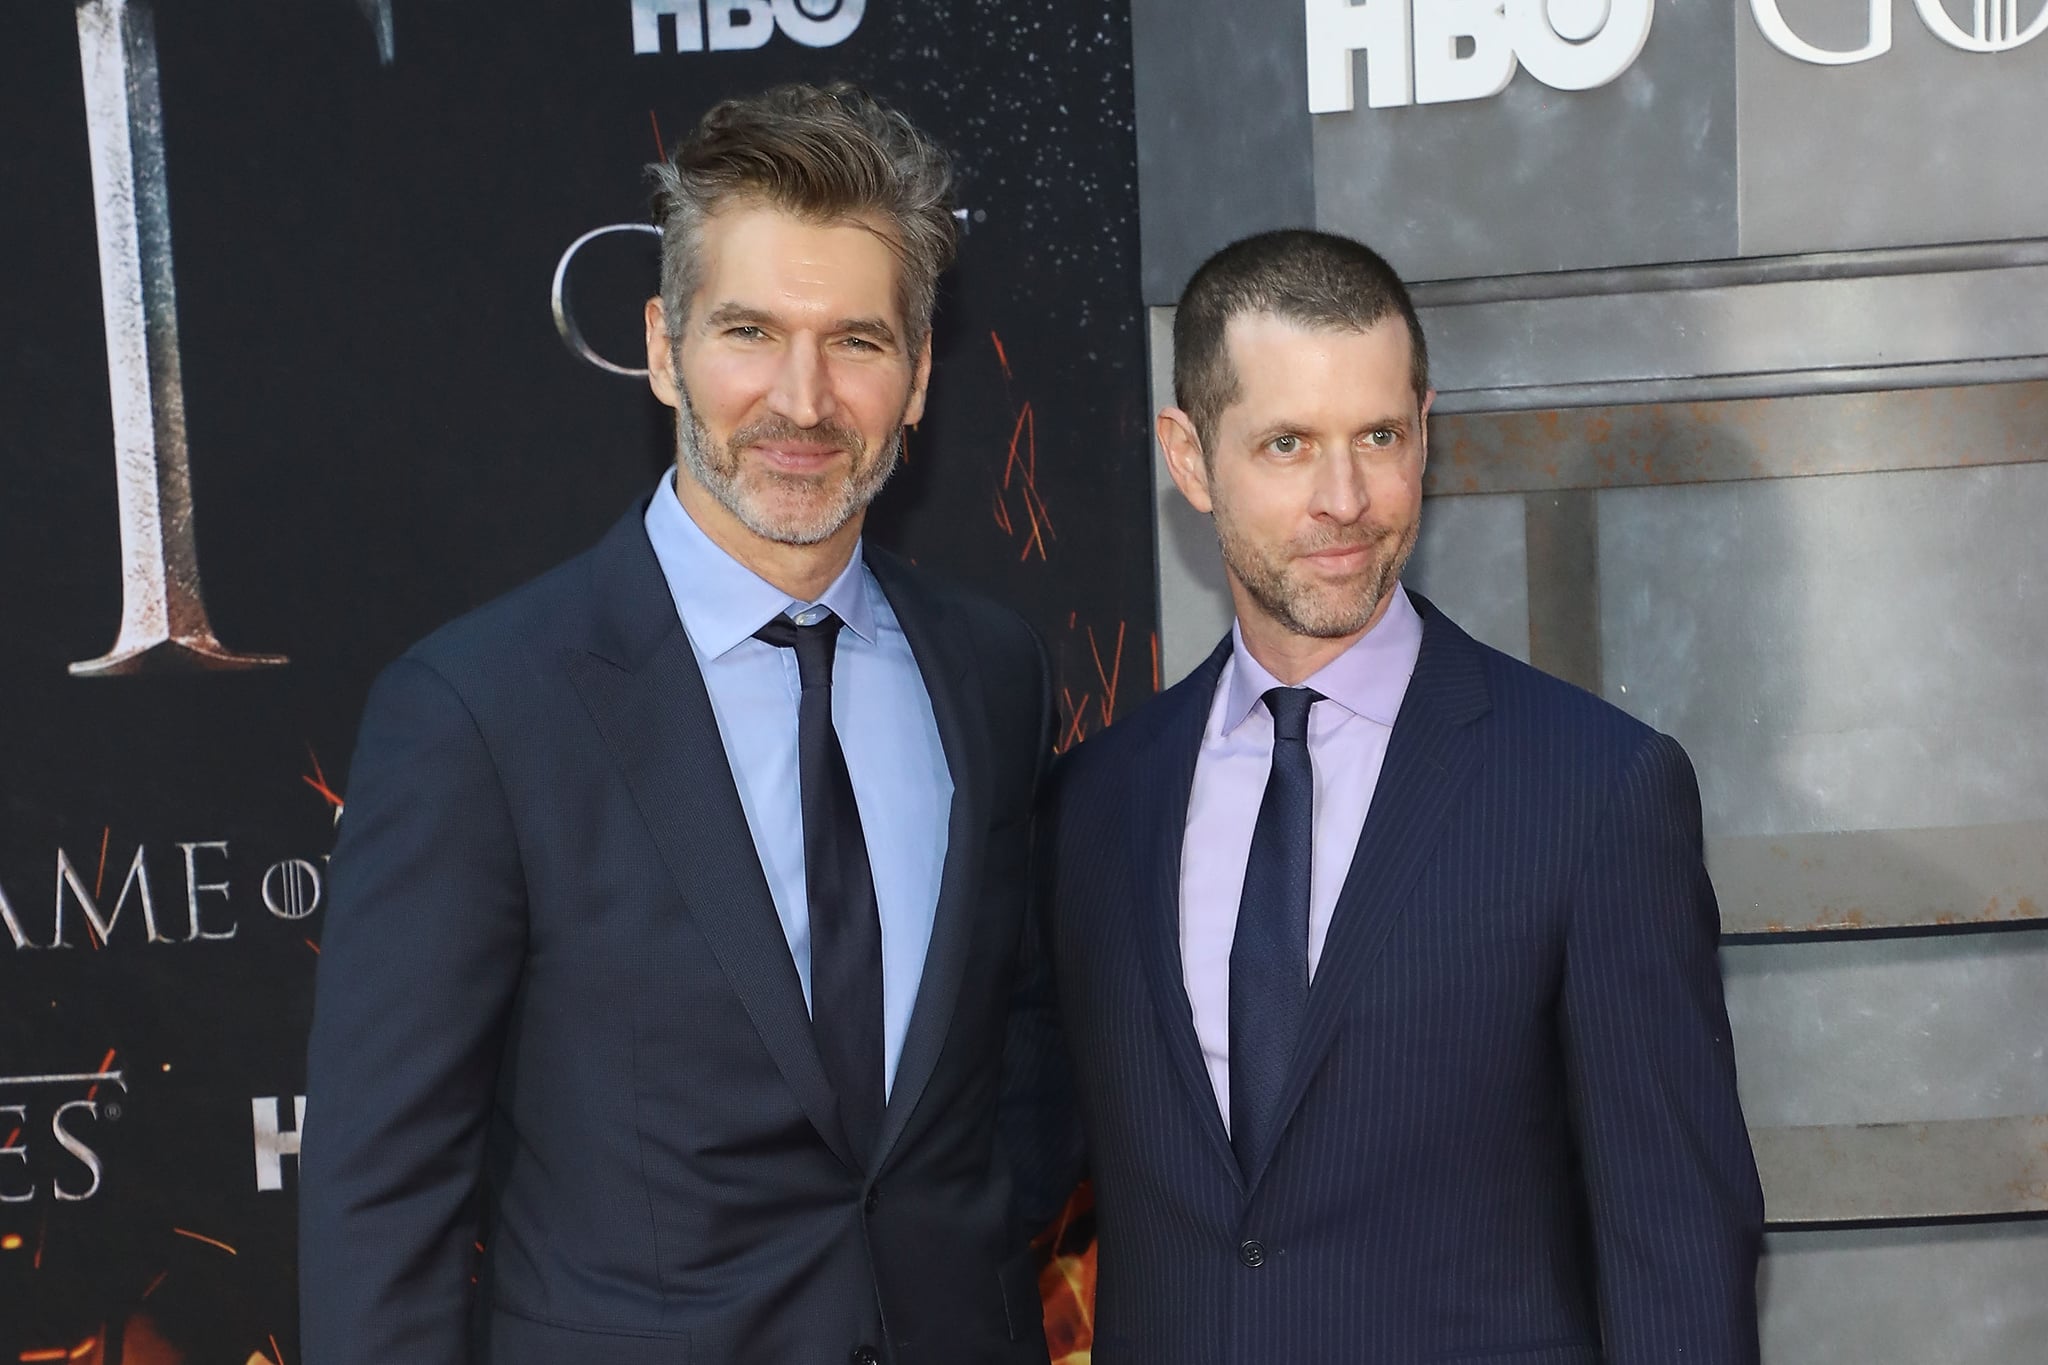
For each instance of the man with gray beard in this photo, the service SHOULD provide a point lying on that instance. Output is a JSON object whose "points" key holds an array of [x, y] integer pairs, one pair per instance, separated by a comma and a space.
{"points": [[679, 917], [1388, 962]]}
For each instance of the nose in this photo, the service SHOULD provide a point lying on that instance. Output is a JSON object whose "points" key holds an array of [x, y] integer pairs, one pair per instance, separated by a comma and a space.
{"points": [[802, 391], [1340, 493]]}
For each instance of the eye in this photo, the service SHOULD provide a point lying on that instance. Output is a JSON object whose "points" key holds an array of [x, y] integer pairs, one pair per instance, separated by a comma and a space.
{"points": [[860, 343], [745, 332], [1287, 443], [1382, 437]]}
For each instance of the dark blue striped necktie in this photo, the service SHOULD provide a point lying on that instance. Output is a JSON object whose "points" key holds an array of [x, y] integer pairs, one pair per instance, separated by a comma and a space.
{"points": [[846, 926], [1269, 953]]}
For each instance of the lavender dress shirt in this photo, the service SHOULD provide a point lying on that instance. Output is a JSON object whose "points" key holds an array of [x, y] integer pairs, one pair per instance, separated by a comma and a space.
{"points": [[1347, 742]]}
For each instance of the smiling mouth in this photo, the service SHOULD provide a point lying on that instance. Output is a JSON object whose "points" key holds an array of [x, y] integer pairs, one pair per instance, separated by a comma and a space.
{"points": [[797, 457], [1340, 556]]}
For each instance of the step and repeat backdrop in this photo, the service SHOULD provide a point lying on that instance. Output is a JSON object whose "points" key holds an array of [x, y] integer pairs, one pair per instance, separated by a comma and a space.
{"points": [[319, 329]]}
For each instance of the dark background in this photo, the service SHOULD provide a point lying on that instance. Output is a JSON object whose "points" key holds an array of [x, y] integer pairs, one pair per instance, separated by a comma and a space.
{"points": [[386, 430]]}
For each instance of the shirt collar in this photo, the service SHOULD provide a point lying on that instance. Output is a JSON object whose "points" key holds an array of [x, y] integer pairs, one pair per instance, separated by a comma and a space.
{"points": [[720, 600], [1369, 679]]}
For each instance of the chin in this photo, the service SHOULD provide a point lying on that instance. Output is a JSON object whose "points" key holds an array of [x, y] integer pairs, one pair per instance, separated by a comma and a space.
{"points": [[1335, 615], [790, 521], [1326, 628], [796, 530]]}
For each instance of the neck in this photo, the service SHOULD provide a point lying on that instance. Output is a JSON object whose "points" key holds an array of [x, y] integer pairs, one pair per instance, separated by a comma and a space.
{"points": [[802, 571], [1290, 657]]}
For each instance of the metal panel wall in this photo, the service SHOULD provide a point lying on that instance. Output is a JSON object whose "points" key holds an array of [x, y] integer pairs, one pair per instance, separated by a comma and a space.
{"points": [[1919, 145], [1496, 187], [1217, 89]]}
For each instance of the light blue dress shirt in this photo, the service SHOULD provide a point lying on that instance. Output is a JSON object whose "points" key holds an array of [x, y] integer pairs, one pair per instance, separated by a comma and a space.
{"points": [[883, 715]]}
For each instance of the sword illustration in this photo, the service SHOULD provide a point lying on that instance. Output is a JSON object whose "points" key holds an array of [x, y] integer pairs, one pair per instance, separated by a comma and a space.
{"points": [[378, 12], [163, 616]]}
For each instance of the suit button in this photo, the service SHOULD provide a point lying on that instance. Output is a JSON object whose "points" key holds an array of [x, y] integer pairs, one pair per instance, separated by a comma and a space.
{"points": [[868, 1204], [1252, 1253], [866, 1355]]}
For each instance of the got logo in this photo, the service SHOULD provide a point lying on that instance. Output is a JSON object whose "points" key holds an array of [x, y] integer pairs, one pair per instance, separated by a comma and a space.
{"points": [[1994, 27]]}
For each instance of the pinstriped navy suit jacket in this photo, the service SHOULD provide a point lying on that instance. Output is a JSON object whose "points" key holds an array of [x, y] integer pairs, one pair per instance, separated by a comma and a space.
{"points": [[1512, 1132]]}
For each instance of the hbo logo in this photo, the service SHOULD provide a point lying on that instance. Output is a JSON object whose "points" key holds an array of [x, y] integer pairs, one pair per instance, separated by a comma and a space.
{"points": [[1436, 51], [729, 25]]}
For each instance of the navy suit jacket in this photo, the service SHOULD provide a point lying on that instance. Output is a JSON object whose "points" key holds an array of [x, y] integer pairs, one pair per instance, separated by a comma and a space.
{"points": [[551, 961], [1511, 1132]]}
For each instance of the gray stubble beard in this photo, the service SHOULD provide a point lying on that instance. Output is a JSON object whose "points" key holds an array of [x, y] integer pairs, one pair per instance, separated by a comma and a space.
{"points": [[725, 480]]}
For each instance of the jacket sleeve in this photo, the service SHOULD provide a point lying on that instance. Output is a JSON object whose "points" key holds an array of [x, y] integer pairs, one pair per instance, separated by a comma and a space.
{"points": [[1676, 1210], [420, 956]]}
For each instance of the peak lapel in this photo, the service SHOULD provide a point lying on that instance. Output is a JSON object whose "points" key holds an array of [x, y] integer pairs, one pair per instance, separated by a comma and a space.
{"points": [[938, 642], [647, 696], [1433, 751], [1161, 781]]}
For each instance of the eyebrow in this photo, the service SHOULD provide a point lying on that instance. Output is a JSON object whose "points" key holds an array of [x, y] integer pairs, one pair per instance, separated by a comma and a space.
{"points": [[1287, 426], [740, 315]]}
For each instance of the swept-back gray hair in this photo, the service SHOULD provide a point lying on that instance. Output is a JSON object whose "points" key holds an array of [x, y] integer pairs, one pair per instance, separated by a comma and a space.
{"points": [[825, 155]]}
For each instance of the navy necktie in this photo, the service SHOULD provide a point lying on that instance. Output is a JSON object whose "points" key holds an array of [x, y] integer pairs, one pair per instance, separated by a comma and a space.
{"points": [[846, 927], [1269, 953]]}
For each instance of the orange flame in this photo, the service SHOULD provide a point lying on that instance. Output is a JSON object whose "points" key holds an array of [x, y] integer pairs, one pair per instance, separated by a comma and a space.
{"points": [[1066, 1281]]}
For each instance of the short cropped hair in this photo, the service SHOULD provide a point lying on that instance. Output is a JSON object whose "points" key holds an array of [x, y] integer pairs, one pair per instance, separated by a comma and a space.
{"points": [[1317, 279], [825, 154]]}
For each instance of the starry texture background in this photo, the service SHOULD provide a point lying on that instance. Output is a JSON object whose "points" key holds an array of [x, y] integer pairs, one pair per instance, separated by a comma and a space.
{"points": [[368, 199]]}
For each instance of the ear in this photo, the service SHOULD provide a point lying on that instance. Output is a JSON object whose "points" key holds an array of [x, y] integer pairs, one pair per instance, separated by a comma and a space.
{"points": [[920, 380], [661, 357], [1422, 419], [1184, 457]]}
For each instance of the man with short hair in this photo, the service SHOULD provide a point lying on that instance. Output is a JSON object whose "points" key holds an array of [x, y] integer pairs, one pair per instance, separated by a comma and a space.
{"points": [[680, 898], [1388, 962]]}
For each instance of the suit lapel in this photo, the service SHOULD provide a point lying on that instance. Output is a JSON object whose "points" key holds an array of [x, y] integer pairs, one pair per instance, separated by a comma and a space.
{"points": [[1162, 781], [1433, 751], [646, 694], [939, 644]]}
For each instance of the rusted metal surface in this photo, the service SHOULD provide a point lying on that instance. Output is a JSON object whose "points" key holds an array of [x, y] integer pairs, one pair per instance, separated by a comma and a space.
{"points": [[1562, 536], [1960, 1168], [1854, 880], [1752, 438]]}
